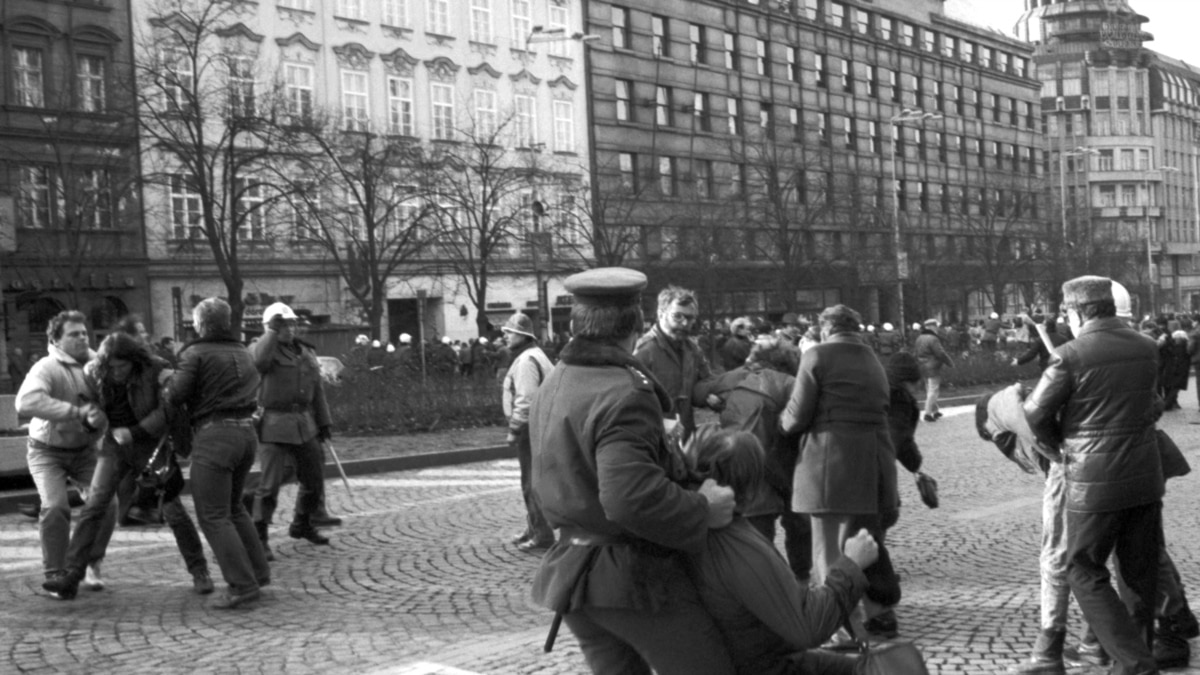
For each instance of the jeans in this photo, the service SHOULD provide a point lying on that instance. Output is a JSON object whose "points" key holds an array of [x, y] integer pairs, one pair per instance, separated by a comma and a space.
{"points": [[50, 470], [115, 462], [933, 387], [1056, 593], [536, 527], [222, 454], [310, 473], [1124, 630]]}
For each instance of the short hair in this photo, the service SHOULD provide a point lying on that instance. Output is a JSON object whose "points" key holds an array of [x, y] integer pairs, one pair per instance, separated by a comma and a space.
{"points": [[212, 316], [841, 319], [128, 324], [777, 354], [1102, 309], [121, 345], [733, 458], [166, 340], [606, 322], [54, 329], [672, 294]]}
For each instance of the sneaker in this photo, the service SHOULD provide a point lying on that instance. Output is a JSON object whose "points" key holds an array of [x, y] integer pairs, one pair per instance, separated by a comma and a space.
{"points": [[938, 414], [229, 600], [92, 580], [532, 546], [518, 538], [202, 583], [1086, 654]]}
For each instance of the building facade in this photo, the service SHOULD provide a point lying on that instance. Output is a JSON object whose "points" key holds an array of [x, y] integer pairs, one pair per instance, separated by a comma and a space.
{"points": [[1122, 130], [433, 74], [70, 219], [786, 156]]}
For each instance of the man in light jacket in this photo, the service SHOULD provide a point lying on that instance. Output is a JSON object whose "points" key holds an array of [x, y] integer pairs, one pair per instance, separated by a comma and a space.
{"points": [[525, 374]]}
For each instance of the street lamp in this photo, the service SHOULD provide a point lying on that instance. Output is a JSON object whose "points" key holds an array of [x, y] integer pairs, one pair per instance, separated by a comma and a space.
{"points": [[1062, 180], [1151, 277], [895, 121]]}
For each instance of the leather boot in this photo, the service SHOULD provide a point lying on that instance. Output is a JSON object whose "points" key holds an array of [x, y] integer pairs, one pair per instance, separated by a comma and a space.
{"points": [[1047, 654], [302, 528], [261, 528]]}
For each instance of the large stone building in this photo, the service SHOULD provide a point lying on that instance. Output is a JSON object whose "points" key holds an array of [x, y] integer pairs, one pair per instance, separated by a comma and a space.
{"points": [[409, 73], [747, 149], [70, 221], [1122, 130]]}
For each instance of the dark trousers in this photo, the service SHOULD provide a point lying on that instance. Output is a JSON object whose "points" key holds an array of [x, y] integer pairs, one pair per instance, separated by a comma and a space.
{"points": [[310, 473], [797, 539], [1135, 534], [536, 527]]}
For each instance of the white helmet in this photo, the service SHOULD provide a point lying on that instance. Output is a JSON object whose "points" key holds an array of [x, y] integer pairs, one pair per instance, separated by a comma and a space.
{"points": [[405, 339], [887, 325], [1121, 300], [280, 310], [391, 348]]}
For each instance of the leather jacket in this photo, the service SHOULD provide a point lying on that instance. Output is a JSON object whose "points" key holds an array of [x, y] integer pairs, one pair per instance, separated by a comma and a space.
{"points": [[216, 375]]}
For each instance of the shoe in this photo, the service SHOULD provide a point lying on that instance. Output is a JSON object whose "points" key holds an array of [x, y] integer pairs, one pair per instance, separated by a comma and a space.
{"points": [[1171, 651], [883, 626], [229, 600], [517, 539], [325, 520], [135, 517], [202, 583], [264, 582], [29, 510], [929, 418], [1183, 624], [532, 546], [91, 579], [841, 642], [1086, 654], [938, 414], [261, 528], [1047, 657], [64, 585], [303, 529]]}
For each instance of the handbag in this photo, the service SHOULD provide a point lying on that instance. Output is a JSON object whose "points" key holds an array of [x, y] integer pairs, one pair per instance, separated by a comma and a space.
{"points": [[158, 474], [927, 487], [890, 657]]}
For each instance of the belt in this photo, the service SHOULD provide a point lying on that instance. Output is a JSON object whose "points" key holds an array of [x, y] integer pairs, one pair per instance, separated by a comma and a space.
{"points": [[41, 445], [238, 419]]}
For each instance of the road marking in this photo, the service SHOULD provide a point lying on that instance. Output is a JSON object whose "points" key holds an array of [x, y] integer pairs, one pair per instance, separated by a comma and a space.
{"points": [[417, 482]]}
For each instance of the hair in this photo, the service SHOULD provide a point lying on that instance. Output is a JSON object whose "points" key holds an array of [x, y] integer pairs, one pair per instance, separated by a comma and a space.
{"points": [[777, 354], [1101, 309], [129, 323], [672, 294], [733, 458], [54, 329], [167, 339], [841, 319], [606, 323], [120, 345], [212, 316]]}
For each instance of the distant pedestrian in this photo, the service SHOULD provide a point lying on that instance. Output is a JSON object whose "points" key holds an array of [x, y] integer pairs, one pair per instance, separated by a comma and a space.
{"points": [[528, 369], [933, 357]]}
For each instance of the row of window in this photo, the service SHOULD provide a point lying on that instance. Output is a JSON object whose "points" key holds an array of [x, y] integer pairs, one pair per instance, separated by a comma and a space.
{"points": [[699, 48], [46, 199], [31, 81]]}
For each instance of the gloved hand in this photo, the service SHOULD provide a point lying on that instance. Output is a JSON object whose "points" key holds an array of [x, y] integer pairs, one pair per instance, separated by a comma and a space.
{"points": [[324, 433]]}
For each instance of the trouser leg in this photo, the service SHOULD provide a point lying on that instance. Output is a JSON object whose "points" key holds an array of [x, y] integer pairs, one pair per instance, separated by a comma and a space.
{"points": [[310, 473], [1055, 591], [50, 470], [797, 541], [538, 528], [272, 459]]}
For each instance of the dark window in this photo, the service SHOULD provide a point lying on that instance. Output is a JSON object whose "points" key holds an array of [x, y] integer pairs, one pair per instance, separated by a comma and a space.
{"points": [[696, 38], [762, 62], [819, 66]]}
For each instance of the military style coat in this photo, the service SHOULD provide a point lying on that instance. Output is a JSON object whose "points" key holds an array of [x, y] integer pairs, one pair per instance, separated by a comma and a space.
{"points": [[292, 396]]}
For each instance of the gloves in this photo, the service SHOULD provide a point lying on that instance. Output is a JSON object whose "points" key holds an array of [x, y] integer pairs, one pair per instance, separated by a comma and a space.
{"points": [[324, 433]]}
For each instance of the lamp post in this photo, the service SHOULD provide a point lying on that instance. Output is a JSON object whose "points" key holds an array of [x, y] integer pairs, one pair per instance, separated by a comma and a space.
{"points": [[1079, 151], [1151, 277], [895, 122]]}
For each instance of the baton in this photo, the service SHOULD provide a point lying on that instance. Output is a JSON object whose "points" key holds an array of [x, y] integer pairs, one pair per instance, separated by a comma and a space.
{"points": [[342, 471], [1045, 335]]}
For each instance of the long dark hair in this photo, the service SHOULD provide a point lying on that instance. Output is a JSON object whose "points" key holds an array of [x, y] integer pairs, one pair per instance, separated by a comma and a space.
{"points": [[123, 346], [733, 458]]}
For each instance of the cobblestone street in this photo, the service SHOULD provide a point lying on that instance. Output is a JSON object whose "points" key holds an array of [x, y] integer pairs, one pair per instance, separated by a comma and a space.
{"points": [[422, 579]]}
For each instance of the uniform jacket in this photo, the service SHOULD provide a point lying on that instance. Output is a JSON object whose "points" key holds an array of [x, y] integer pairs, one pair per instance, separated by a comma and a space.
{"points": [[521, 381], [53, 394], [1037, 350], [682, 371], [145, 397], [216, 375], [292, 395], [840, 403], [1097, 401], [602, 466], [931, 354]]}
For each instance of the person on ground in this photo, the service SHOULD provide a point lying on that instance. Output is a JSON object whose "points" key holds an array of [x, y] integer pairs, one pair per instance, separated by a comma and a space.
{"points": [[933, 358], [529, 368], [1096, 405], [63, 437], [129, 381], [622, 499], [770, 622], [295, 421], [216, 381]]}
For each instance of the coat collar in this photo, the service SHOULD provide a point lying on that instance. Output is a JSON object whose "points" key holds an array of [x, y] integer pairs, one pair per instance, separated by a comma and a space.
{"points": [[583, 352], [1108, 323]]}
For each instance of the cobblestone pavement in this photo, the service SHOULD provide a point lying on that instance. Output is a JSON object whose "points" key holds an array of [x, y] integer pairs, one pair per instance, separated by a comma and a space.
{"points": [[421, 579]]}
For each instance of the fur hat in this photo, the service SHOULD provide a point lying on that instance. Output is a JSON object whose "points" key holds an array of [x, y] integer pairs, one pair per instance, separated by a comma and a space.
{"points": [[1086, 290]]}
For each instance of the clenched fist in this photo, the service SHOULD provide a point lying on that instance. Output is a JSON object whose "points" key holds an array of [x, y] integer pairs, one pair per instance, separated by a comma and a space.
{"points": [[720, 503]]}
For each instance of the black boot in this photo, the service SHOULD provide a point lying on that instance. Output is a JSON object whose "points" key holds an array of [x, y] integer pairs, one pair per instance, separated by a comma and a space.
{"points": [[261, 527], [1047, 654], [302, 528], [64, 585]]}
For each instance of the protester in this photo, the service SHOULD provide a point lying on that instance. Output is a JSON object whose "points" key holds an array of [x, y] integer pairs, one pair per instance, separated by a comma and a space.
{"points": [[63, 437], [217, 381], [1096, 405], [602, 467], [933, 357], [1037, 347], [735, 349], [771, 623], [128, 380], [1174, 364], [888, 341], [529, 368]]}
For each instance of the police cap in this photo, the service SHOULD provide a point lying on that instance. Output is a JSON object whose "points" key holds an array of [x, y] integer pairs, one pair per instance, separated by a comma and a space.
{"points": [[606, 286]]}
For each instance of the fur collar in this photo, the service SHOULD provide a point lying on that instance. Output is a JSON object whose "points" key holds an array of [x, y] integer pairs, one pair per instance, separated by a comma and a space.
{"points": [[583, 352]]}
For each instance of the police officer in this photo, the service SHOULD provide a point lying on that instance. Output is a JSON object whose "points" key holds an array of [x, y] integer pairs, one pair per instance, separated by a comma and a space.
{"points": [[295, 421]]}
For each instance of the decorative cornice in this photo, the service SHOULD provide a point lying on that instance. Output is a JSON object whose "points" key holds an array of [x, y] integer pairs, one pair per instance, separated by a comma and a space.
{"points": [[486, 69], [298, 39], [354, 55], [562, 81], [240, 30], [400, 62], [527, 76], [94, 33], [442, 68]]}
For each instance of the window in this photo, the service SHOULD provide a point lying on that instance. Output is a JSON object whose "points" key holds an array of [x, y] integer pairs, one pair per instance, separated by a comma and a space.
{"points": [[250, 212], [898, 140], [558, 20], [929, 41], [956, 98], [763, 60], [400, 106], [967, 51], [1025, 112], [873, 81], [186, 215], [733, 108], [395, 13], [793, 62], [848, 136], [627, 165], [1021, 66], [819, 66], [298, 90], [1143, 159], [522, 22], [764, 120], [823, 128], [97, 204], [526, 119], [662, 107], [28, 76], [1127, 160], [702, 175], [297, 4], [35, 206], [949, 46], [887, 28], [485, 114], [179, 80], [564, 126], [89, 76], [939, 96], [666, 177], [923, 197], [351, 9], [481, 21], [441, 98], [1003, 61], [847, 76], [875, 139], [809, 9], [797, 126], [1108, 195], [902, 194], [1010, 110], [836, 14], [985, 56], [920, 142], [894, 80], [696, 41], [731, 51], [624, 93], [908, 35], [862, 21], [700, 116], [661, 43], [1128, 195], [241, 86], [918, 94], [939, 140], [620, 27], [354, 100], [437, 17]]}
